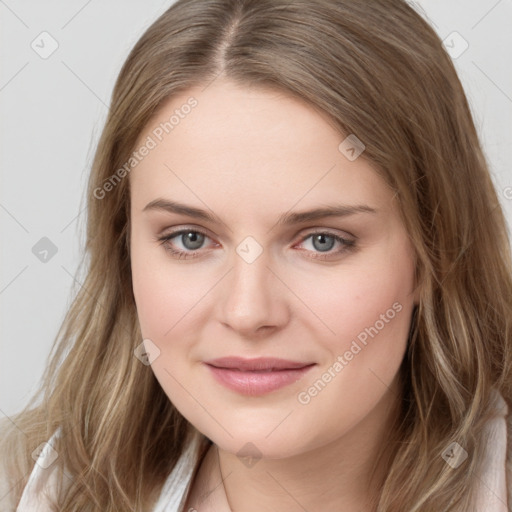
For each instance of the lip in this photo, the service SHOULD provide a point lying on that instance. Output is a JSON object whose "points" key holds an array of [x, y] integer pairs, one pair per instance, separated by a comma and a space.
{"points": [[258, 376]]}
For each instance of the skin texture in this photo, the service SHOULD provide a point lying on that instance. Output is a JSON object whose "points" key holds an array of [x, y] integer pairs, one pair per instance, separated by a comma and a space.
{"points": [[248, 156]]}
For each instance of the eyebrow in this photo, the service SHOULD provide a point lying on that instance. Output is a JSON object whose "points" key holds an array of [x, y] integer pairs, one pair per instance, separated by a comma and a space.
{"points": [[286, 219]]}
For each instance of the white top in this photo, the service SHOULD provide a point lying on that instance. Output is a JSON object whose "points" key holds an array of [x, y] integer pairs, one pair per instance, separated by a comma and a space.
{"points": [[492, 484], [172, 496]]}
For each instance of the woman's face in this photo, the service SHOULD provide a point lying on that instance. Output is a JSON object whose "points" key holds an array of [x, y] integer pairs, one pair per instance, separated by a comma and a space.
{"points": [[256, 277]]}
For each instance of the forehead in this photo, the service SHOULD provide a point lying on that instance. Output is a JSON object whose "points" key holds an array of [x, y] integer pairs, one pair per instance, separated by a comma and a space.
{"points": [[248, 147]]}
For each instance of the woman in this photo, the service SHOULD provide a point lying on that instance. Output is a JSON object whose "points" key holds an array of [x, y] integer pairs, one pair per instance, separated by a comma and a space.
{"points": [[299, 283]]}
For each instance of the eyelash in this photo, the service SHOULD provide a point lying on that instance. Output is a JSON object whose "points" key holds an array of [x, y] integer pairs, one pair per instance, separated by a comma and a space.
{"points": [[165, 242]]}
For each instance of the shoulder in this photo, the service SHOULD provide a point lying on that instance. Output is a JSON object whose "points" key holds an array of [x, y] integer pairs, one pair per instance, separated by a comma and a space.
{"points": [[37, 487], [41, 487], [174, 493], [13, 467], [497, 461], [509, 459], [499, 455], [25, 473], [7, 490]]}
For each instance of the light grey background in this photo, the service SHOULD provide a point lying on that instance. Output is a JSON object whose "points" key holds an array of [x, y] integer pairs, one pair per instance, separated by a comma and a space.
{"points": [[53, 110]]}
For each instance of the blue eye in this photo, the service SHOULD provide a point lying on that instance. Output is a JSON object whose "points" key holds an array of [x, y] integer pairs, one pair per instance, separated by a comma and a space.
{"points": [[192, 241], [324, 241]]}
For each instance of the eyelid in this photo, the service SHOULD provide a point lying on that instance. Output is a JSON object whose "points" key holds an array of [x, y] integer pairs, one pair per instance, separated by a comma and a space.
{"points": [[309, 231], [168, 232], [347, 244], [330, 231]]}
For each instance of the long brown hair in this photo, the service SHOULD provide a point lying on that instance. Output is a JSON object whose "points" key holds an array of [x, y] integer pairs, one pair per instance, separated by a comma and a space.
{"points": [[380, 72]]}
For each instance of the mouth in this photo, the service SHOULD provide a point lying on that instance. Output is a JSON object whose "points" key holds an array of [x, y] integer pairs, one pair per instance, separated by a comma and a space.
{"points": [[259, 376]]}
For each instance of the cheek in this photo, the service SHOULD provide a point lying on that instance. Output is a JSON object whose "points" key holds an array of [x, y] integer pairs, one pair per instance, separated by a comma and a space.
{"points": [[365, 310], [368, 307], [153, 297], [367, 298], [162, 293], [166, 301], [171, 311]]}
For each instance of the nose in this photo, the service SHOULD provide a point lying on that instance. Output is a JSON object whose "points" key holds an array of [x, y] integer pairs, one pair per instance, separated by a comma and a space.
{"points": [[253, 298]]}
